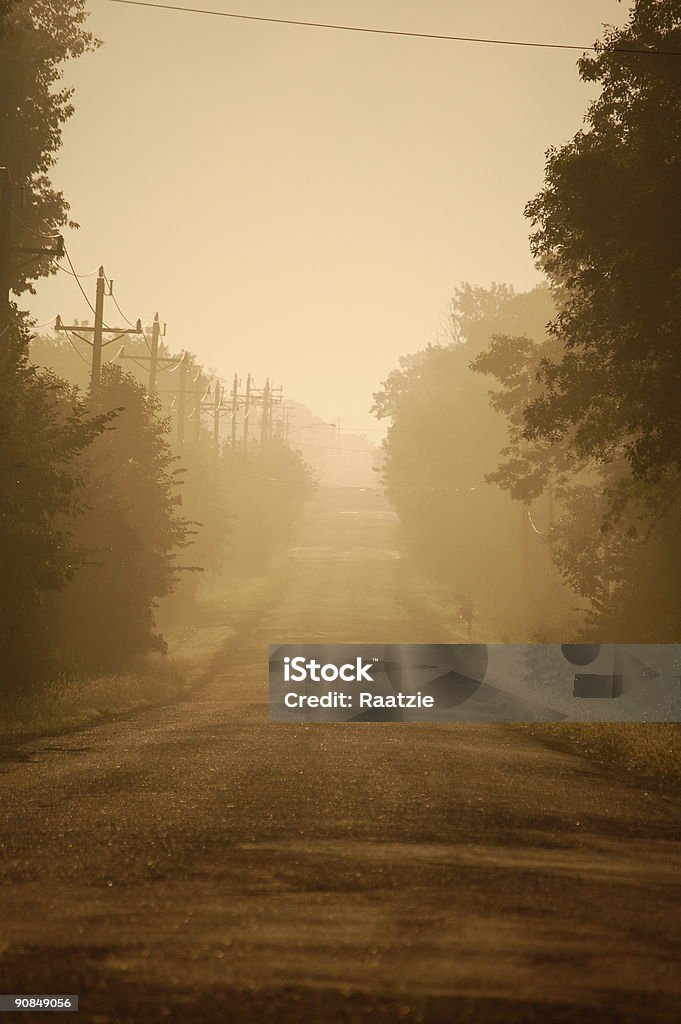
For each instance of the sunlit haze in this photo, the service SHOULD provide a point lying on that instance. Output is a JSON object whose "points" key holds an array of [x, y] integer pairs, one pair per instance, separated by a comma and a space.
{"points": [[300, 203]]}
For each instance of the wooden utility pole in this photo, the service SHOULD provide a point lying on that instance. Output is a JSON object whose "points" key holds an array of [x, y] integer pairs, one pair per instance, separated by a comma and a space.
{"points": [[153, 359], [266, 412], [5, 248], [96, 374], [157, 363], [98, 331], [247, 412], [216, 417], [197, 417], [183, 368], [235, 409], [195, 414]]}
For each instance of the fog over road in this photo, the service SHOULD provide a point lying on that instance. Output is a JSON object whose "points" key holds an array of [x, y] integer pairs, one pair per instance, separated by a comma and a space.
{"points": [[195, 863]]}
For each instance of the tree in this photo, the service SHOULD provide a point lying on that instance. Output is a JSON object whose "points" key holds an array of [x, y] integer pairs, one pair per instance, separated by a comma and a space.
{"points": [[445, 437], [36, 38], [44, 430], [607, 230], [132, 530], [592, 410]]}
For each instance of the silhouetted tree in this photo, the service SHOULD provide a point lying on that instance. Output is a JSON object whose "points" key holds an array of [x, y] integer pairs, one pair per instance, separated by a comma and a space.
{"points": [[132, 530], [267, 489], [444, 438], [44, 430], [36, 38], [608, 231], [593, 409]]}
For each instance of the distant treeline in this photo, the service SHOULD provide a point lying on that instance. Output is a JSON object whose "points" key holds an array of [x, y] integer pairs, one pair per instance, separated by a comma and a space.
{"points": [[582, 437]]}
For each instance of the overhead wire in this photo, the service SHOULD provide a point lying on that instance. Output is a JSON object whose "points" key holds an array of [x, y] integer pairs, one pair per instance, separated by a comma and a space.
{"points": [[135, 361], [38, 234], [115, 302], [332, 448], [76, 349], [71, 273], [36, 327], [128, 322], [387, 31], [83, 292]]}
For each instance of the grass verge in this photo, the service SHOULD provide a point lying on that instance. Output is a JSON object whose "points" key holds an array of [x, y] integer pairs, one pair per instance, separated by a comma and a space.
{"points": [[66, 703], [649, 749], [226, 611]]}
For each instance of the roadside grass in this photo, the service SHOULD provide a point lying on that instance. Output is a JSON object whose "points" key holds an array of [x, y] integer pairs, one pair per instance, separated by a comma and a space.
{"points": [[225, 609], [649, 749], [66, 703]]}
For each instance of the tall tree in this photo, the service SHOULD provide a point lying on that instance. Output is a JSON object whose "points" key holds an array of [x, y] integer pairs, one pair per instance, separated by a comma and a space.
{"points": [[44, 430], [132, 531], [593, 410], [37, 37], [607, 230], [444, 438]]}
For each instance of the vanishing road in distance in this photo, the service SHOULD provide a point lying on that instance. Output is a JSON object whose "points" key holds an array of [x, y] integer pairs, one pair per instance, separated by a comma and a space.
{"points": [[196, 863]]}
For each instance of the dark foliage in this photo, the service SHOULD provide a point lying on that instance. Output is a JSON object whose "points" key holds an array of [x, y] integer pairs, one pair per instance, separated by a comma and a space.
{"points": [[45, 428], [36, 38], [132, 530], [607, 229]]}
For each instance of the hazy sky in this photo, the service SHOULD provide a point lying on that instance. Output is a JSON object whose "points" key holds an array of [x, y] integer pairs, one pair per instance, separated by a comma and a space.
{"points": [[301, 203]]}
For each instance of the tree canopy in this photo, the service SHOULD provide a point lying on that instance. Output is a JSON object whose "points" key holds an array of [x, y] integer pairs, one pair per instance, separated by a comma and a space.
{"points": [[37, 38], [593, 409], [607, 232]]}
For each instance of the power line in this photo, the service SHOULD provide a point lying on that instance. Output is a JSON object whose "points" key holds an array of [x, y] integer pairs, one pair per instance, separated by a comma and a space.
{"points": [[35, 327], [129, 322], [388, 31], [83, 292], [76, 350], [38, 234], [66, 253], [73, 274], [115, 302], [332, 448]]}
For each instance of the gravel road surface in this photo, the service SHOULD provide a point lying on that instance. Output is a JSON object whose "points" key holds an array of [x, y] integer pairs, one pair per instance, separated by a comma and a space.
{"points": [[194, 863]]}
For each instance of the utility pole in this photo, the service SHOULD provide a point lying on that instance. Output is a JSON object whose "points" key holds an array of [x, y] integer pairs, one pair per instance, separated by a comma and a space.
{"points": [[98, 331], [154, 359], [153, 362], [95, 376], [197, 418], [247, 411], [264, 419], [5, 245], [235, 407], [183, 368], [216, 417], [199, 396]]}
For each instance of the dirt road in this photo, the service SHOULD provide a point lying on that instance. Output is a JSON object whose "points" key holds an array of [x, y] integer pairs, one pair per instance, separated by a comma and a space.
{"points": [[197, 864]]}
